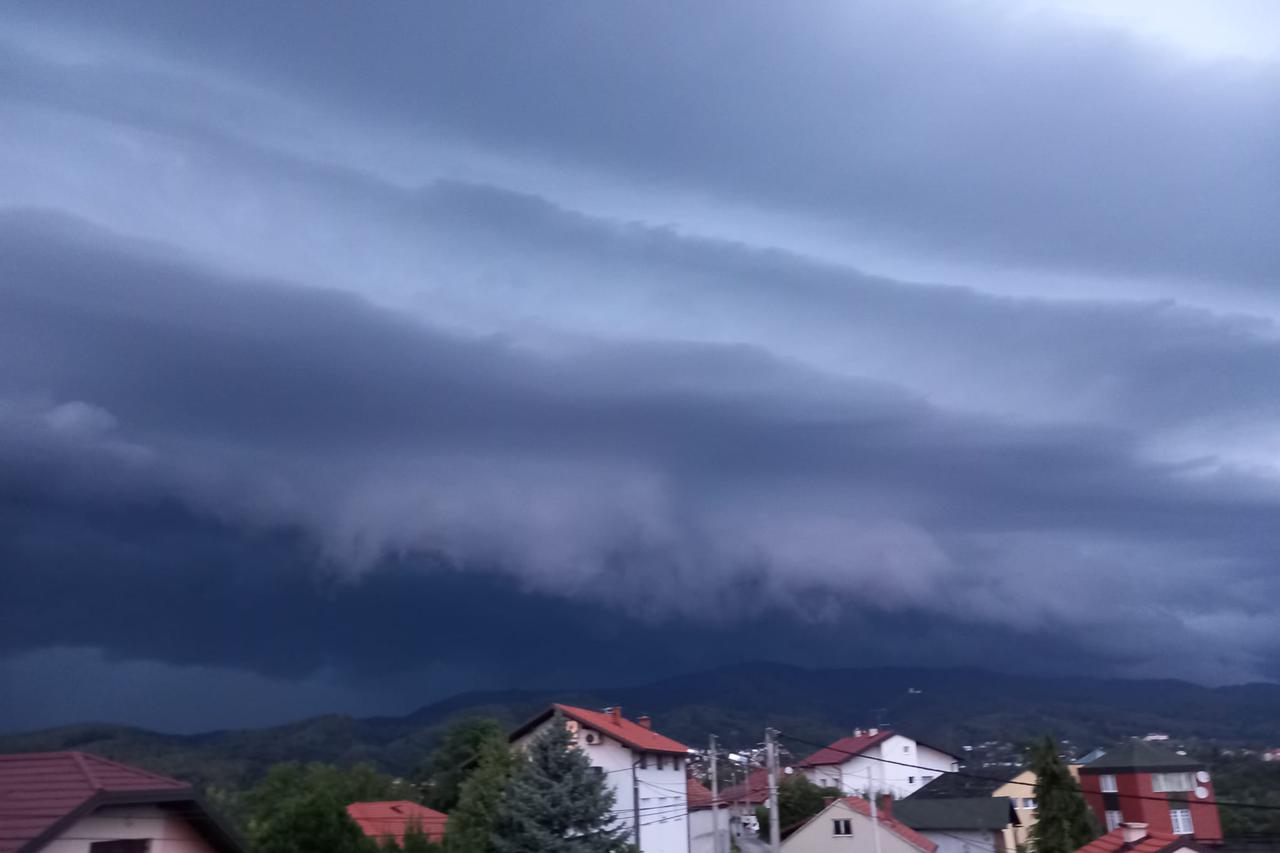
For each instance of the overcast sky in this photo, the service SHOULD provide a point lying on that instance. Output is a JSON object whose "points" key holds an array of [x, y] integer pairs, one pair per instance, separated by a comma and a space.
{"points": [[352, 355]]}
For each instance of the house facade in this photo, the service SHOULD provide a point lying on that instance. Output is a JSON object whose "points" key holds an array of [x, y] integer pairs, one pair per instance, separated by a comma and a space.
{"points": [[846, 826], [877, 761], [73, 802], [645, 770], [1143, 783], [706, 818]]}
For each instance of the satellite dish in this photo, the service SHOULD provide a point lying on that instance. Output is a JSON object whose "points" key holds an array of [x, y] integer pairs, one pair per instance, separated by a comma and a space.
{"points": [[1202, 776], [788, 770], [1202, 792]]}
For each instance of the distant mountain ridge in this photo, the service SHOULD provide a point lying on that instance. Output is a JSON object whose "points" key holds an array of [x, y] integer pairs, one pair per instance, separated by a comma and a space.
{"points": [[949, 707]]}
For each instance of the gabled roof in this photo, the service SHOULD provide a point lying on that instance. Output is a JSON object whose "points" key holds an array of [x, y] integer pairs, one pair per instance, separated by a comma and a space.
{"points": [[630, 733], [43, 793], [1140, 755], [754, 789], [1155, 842], [391, 818], [887, 822], [952, 785], [959, 813], [845, 748]]}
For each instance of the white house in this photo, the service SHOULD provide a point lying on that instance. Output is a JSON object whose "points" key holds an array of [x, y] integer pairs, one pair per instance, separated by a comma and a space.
{"points": [[646, 771], [874, 761], [73, 802], [706, 818], [845, 826]]}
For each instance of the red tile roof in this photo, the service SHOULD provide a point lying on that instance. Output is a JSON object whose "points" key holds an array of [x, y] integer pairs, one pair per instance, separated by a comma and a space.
{"points": [[897, 827], [1155, 842], [40, 789], [844, 749], [393, 817], [755, 789], [618, 727], [699, 795]]}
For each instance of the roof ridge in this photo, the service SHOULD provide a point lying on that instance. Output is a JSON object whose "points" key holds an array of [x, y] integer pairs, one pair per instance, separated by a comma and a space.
{"points": [[79, 758]]}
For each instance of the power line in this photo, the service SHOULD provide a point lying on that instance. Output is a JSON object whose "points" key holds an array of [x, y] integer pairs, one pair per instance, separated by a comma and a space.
{"points": [[1166, 800]]}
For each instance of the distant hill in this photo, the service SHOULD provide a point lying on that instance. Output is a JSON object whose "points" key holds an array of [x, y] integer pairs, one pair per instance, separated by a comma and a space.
{"points": [[947, 707]]}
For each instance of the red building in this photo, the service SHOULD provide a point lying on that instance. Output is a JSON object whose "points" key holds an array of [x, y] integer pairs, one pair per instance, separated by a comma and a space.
{"points": [[1140, 782]]}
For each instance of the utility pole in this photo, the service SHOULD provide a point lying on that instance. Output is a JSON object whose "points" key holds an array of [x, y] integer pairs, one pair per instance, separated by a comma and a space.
{"points": [[715, 800], [875, 807], [635, 800], [771, 756]]}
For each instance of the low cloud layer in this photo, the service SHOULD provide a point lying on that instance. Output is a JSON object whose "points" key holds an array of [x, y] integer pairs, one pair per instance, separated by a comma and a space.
{"points": [[634, 341]]}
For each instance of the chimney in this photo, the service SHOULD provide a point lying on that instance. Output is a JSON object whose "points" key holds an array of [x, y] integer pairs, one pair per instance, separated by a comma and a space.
{"points": [[616, 713], [645, 721], [1134, 832], [857, 732], [873, 732], [884, 804]]}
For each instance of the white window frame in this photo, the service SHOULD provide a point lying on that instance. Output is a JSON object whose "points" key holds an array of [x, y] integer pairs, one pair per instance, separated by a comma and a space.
{"points": [[1181, 820], [1165, 783], [839, 823], [1107, 782], [1114, 819]]}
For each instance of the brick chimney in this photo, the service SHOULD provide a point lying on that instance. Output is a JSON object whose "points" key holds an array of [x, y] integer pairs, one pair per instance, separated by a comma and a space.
{"points": [[884, 806], [645, 721], [616, 713], [1133, 832]]}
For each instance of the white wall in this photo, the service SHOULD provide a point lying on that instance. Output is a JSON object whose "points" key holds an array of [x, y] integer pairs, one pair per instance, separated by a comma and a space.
{"points": [[816, 836], [664, 796], [168, 831], [701, 830], [864, 773]]}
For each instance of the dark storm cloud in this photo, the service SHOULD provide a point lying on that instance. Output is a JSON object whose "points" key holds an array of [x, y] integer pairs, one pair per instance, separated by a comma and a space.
{"points": [[961, 129], [642, 477]]}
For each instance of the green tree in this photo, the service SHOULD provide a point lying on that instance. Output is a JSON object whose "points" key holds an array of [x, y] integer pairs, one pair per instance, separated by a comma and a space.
{"points": [[473, 821], [1063, 820], [557, 803], [303, 808], [798, 800], [416, 841], [455, 758]]}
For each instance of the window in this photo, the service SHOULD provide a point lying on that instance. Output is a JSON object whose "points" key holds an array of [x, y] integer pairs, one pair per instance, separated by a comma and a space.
{"points": [[644, 761], [842, 826], [121, 845], [911, 780], [662, 761], [675, 763], [907, 748], [1181, 819], [1108, 783], [1114, 819], [1028, 803], [1161, 782]]}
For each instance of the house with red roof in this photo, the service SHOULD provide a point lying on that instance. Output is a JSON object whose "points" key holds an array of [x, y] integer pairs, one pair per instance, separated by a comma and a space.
{"points": [[73, 802], [1138, 838], [846, 825], [877, 761], [646, 770], [392, 818]]}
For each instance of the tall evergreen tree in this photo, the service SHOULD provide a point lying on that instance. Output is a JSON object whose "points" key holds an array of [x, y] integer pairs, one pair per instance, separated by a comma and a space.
{"points": [[557, 803], [454, 760], [1064, 823], [473, 821]]}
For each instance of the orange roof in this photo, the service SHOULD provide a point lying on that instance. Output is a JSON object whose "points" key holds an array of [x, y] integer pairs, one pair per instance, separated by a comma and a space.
{"points": [[754, 790], [1155, 842], [892, 824], [845, 748], [616, 726], [699, 795], [392, 817]]}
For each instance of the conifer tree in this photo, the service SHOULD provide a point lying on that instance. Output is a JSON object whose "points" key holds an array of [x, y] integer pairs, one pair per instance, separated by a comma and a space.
{"points": [[1064, 823], [472, 824], [557, 803]]}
